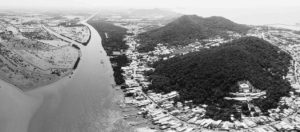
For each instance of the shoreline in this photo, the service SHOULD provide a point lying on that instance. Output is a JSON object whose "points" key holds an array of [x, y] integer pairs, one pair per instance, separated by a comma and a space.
{"points": [[32, 109], [130, 116], [119, 123], [57, 98], [25, 109]]}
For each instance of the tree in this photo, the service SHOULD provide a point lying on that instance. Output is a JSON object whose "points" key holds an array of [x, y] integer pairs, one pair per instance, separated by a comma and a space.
{"points": [[207, 76]]}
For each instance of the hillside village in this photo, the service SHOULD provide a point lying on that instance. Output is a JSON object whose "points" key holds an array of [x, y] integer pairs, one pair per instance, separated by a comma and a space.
{"points": [[168, 115], [33, 54]]}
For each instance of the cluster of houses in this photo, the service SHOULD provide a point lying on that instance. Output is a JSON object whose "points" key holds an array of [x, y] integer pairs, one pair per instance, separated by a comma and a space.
{"points": [[23, 25], [153, 105], [29, 28], [173, 116], [13, 58], [3, 27], [286, 40], [164, 52]]}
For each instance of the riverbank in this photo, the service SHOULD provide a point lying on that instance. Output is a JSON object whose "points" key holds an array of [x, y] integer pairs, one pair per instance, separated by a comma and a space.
{"points": [[131, 117], [87, 102], [84, 101], [114, 45]]}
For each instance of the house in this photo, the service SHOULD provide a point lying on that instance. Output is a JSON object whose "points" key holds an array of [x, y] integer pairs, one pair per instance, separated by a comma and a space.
{"points": [[193, 120], [116, 53], [188, 129], [246, 92], [245, 87], [225, 125]]}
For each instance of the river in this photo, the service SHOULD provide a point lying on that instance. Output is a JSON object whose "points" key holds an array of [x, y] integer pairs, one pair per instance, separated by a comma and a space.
{"points": [[83, 102]]}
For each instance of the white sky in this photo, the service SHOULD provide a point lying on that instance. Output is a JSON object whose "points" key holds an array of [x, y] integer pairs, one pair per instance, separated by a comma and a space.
{"points": [[151, 3], [242, 11]]}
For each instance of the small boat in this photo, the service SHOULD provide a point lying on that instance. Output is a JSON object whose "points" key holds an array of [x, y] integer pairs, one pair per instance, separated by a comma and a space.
{"points": [[102, 62]]}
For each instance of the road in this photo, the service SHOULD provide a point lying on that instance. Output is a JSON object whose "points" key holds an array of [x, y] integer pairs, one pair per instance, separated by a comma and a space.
{"points": [[84, 22], [60, 36]]}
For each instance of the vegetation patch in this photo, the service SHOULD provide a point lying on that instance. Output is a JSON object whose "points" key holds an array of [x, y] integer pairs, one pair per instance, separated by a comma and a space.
{"points": [[207, 76], [112, 41], [187, 29]]}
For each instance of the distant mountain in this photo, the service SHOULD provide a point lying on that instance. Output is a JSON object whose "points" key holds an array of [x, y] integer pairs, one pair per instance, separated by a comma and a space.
{"points": [[187, 29], [154, 16], [286, 26], [207, 76], [156, 12]]}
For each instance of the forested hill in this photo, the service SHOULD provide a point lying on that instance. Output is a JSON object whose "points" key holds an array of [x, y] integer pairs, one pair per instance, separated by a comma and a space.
{"points": [[112, 36], [187, 29], [207, 76]]}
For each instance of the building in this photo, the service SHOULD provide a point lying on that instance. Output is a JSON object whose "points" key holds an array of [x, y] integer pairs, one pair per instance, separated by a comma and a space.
{"points": [[246, 92], [245, 87]]}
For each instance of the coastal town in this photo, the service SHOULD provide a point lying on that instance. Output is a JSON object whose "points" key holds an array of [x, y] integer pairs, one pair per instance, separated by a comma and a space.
{"points": [[36, 50], [32, 56], [167, 115]]}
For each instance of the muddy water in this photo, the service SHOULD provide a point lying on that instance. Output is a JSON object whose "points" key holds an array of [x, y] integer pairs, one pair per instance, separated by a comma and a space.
{"points": [[83, 103]]}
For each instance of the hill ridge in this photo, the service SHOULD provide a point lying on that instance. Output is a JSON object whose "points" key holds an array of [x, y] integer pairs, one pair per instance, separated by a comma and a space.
{"points": [[207, 76], [187, 28]]}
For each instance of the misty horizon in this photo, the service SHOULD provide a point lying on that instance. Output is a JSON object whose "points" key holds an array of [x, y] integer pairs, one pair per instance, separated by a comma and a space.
{"points": [[245, 12], [149, 65]]}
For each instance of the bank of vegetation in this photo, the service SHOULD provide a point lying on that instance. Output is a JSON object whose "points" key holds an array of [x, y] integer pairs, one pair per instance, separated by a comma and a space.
{"points": [[207, 76], [112, 41], [187, 29]]}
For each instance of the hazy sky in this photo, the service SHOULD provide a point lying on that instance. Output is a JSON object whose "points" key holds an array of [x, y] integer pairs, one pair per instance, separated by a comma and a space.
{"points": [[244, 11], [151, 3]]}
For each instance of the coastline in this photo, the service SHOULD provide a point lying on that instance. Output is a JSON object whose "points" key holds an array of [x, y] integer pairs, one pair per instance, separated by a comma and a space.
{"points": [[123, 124], [119, 123], [92, 112], [130, 119], [33, 110]]}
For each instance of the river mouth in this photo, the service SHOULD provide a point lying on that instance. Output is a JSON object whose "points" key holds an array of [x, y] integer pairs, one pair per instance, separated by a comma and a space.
{"points": [[82, 102]]}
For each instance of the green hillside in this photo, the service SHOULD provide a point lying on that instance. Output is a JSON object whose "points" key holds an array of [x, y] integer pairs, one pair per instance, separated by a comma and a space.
{"points": [[207, 76], [187, 29]]}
